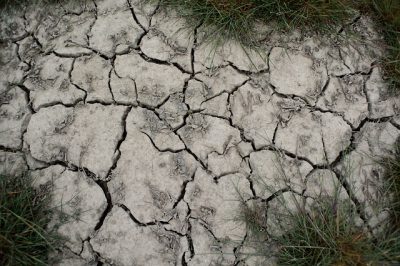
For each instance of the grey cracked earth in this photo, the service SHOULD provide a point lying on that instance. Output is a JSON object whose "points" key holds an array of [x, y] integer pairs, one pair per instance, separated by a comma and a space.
{"points": [[146, 137]]}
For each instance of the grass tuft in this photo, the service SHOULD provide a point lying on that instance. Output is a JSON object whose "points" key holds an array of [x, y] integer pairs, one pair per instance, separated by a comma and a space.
{"points": [[24, 216], [387, 16], [237, 19], [327, 233], [327, 230], [391, 165], [17, 4]]}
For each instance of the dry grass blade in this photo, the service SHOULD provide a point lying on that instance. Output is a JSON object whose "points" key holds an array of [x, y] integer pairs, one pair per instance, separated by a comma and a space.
{"points": [[24, 236]]}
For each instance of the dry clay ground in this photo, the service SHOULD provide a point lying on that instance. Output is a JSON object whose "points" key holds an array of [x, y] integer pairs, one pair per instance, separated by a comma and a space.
{"points": [[145, 142]]}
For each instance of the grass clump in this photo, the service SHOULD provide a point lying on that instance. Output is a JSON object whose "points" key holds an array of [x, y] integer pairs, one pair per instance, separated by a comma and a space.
{"points": [[5, 4], [237, 19], [24, 216], [391, 165], [387, 16], [327, 233], [9, 4], [328, 229]]}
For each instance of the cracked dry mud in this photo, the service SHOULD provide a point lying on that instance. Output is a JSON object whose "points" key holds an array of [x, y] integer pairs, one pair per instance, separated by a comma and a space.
{"points": [[146, 142]]}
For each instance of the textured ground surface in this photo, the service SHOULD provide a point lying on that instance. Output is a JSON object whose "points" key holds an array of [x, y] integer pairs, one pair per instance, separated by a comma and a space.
{"points": [[145, 141]]}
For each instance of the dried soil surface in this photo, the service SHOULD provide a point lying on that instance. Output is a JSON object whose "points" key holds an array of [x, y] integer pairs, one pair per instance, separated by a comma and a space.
{"points": [[145, 136]]}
